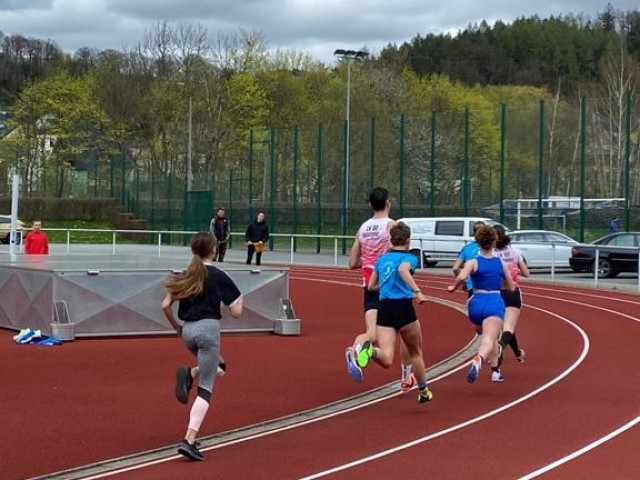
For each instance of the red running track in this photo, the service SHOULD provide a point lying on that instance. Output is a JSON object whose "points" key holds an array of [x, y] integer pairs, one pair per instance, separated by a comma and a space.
{"points": [[579, 384]]}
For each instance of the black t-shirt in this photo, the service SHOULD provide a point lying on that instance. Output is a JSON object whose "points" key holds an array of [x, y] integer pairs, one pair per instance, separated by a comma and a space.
{"points": [[218, 288]]}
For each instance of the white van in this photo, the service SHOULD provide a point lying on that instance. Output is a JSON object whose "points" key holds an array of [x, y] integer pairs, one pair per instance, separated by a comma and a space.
{"points": [[441, 238]]}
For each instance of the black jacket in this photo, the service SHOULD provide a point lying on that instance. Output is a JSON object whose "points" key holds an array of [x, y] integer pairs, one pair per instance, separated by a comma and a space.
{"points": [[219, 227], [256, 232]]}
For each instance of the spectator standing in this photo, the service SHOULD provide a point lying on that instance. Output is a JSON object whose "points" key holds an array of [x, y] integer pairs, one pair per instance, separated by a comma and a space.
{"points": [[256, 236], [36, 241], [613, 225], [219, 228]]}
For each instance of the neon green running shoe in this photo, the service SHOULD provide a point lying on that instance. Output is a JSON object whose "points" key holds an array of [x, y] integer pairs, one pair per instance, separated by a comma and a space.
{"points": [[365, 354], [425, 395]]}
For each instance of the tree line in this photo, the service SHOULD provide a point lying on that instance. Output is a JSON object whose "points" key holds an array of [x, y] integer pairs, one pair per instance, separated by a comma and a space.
{"points": [[76, 112]]}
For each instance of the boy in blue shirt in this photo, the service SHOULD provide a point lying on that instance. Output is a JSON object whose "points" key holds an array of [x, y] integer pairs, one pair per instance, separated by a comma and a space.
{"points": [[393, 277]]}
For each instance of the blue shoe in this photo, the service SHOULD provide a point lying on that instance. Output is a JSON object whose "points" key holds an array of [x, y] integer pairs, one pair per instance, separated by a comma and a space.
{"points": [[48, 341], [20, 334], [352, 367], [474, 371], [30, 336]]}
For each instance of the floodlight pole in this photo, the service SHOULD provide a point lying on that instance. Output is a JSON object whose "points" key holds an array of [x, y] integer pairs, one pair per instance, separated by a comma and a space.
{"points": [[348, 56]]}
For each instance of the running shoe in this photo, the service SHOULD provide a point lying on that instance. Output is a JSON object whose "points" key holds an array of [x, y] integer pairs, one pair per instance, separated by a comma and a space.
{"points": [[520, 358], [190, 451], [474, 371], [496, 376], [222, 367], [406, 386], [425, 395], [20, 334], [30, 336], [365, 354], [352, 366], [183, 384]]}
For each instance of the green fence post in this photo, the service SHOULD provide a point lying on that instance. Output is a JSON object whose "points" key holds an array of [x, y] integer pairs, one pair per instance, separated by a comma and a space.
{"points": [[583, 156], [251, 174], [372, 155], [465, 167], [401, 152], [503, 149], [319, 189], [345, 187], [432, 167], [540, 162], [295, 185], [272, 194], [231, 205], [627, 157]]}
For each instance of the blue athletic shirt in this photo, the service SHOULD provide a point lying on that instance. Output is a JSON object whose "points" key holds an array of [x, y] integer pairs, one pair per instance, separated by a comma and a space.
{"points": [[469, 252], [392, 286], [489, 274]]}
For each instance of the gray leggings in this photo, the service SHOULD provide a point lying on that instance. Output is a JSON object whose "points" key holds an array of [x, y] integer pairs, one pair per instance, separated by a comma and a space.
{"points": [[203, 339]]}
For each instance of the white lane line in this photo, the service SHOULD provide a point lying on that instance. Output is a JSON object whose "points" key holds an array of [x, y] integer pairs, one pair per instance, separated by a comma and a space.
{"points": [[268, 432], [582, 451], [435, 435], [384, 453]]}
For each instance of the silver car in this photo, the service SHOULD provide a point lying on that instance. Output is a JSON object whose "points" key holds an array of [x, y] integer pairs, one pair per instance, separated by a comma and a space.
{"points": [[543, 248]]}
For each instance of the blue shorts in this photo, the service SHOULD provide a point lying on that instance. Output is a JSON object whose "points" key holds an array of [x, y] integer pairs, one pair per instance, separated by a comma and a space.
{"points": [[484, 305]]}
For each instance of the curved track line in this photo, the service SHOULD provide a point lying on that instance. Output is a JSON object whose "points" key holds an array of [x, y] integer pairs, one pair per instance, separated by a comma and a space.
{"points": [[475, 420], [582, 451]]}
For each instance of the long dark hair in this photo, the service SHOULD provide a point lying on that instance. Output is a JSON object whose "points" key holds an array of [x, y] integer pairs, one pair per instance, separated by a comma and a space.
{"points": [[190, 283], [503, 240]]}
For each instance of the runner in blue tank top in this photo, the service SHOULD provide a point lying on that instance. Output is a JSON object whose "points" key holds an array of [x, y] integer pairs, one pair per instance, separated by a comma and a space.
{"points": [[486, 307], [393, 276]]}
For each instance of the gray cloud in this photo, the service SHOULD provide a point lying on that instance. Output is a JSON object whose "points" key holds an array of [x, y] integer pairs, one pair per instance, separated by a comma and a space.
{"points": [[315, 26]]}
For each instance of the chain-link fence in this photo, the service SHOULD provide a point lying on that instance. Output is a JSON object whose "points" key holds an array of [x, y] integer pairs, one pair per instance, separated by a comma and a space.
{"points": [[552, 166]]}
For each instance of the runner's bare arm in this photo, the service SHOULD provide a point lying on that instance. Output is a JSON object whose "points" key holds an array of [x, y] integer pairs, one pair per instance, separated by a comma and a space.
{"points": [[355, 261]]}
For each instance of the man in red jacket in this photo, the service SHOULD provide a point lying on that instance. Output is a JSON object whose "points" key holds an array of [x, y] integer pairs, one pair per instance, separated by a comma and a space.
{"points": [[36, 242]]}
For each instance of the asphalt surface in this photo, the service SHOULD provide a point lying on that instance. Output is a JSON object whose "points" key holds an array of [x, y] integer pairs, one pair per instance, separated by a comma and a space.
{"points": [[628, 282]]}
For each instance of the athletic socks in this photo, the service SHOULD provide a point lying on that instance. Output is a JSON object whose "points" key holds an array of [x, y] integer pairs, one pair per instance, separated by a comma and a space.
{"points": [[406, 372]]}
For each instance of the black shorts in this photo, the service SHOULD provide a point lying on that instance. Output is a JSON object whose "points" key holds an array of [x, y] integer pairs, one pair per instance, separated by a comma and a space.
{"points": [[396, 313], [511, 299], [371, 300]]}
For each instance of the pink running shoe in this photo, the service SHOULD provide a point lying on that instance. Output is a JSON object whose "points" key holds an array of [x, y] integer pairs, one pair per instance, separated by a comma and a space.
{"points": [[406, 386]]}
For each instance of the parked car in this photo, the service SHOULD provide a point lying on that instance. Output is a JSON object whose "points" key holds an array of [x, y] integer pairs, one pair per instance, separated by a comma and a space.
{"points": [[5, 229], [543, 248], [441, 238], [617, 252]]}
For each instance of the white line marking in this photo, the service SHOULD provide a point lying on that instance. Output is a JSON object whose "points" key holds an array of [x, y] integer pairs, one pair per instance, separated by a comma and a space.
{"points": [[582, 451], [384, 453], [424, 439]]}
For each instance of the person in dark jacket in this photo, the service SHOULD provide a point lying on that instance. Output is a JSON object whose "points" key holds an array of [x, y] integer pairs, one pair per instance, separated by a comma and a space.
{"points": [[219, 228], [256, 236]]}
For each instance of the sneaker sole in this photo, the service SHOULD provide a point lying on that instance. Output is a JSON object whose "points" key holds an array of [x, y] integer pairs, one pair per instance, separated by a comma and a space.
{"points": [[181, 379], [354, 371], [362, 359]]}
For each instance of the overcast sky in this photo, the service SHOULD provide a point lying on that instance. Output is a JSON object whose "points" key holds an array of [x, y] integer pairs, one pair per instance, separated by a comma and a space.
{"points": [[317, 27]]}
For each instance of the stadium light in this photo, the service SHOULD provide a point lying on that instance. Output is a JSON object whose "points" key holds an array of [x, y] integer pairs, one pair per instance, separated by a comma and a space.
{"points": [[348, 56]]}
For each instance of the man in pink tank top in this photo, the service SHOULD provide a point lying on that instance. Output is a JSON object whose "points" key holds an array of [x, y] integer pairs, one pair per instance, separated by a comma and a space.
{"points": [[372, 240]]}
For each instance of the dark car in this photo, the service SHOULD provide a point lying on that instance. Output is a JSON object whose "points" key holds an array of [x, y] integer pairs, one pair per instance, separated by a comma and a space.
{"points": [[617, 252]]}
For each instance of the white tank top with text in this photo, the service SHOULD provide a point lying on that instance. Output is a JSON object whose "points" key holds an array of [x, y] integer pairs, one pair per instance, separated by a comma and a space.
{"points": [[373, 236], [511, 256]]}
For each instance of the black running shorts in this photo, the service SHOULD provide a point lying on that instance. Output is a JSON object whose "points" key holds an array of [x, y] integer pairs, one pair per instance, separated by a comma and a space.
{"points": [[512, 299], [396, 313]]}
